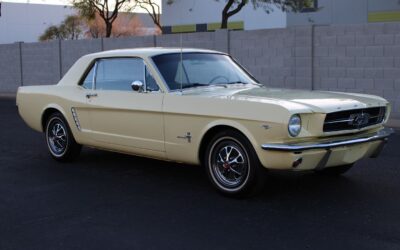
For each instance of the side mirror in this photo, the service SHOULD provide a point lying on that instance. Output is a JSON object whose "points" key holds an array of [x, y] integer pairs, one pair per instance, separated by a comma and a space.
{"points": [[137, 86]]}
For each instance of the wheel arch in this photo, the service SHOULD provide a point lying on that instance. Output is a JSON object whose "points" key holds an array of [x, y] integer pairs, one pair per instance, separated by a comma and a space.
{"points": [[215, 127], [48, 111]]}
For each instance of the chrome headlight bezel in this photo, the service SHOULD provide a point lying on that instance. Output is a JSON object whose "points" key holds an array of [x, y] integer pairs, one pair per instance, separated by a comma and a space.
{"points": [[294, 125]]}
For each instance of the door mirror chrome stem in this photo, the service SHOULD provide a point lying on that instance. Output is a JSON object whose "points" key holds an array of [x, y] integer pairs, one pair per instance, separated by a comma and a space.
{"points": [[140, 86], [137, 86]]}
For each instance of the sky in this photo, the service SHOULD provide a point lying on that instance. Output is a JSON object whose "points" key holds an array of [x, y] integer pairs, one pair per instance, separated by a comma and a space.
{"points": [[58, 2]]}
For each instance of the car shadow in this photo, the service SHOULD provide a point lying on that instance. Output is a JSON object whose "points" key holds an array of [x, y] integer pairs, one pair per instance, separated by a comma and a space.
{"points": [[175, 177]]}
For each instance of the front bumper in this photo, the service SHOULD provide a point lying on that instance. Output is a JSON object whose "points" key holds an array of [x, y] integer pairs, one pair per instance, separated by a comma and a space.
{"points": [[381, 135], [326, 154]]}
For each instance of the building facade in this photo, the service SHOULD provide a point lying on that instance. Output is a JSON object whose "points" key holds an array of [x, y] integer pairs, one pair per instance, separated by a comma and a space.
{"points": [[25, 22], [348, 12], [200, 15]]}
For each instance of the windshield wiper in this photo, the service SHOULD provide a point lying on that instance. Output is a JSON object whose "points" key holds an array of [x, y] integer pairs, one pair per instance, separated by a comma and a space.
{"points": [[240, 82], [194, 85], [237, 82]]}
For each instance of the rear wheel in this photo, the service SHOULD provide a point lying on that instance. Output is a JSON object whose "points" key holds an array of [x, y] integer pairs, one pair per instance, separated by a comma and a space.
{"points": [[60, 141], [335, 171], [232, 165]]}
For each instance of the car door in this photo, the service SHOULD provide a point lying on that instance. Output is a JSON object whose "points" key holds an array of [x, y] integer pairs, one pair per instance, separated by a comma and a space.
{"points": [[118, 114]]}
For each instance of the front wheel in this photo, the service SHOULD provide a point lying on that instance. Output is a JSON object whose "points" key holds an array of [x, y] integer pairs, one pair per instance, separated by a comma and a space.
{"points": [[232, 165], [60, 141]]}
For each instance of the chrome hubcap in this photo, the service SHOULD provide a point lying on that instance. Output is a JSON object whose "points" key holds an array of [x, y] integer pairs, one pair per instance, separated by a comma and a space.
{"points": [[230, 165], [57, 137]]}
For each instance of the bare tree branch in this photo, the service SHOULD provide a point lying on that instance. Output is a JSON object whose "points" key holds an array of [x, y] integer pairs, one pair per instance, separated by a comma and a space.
{"points": [[153, 9], [103, 8]]}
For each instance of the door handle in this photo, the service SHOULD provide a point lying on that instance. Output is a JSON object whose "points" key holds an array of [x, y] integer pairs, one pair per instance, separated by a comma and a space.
{"points": [[89, 95]]}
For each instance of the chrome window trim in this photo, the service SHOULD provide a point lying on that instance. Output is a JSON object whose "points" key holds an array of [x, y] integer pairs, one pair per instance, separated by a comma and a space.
{"points": [[94, 75]]}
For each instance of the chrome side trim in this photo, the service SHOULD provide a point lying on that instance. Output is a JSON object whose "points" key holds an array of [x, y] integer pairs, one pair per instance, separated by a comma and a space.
{"points": [[382, 134], [187, 137]]}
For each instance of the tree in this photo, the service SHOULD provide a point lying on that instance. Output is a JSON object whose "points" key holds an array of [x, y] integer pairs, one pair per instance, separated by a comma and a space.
{"points": [[127, 24], [107, 10], [153, 9], [51, 33], [233, 7], [71, 29]]}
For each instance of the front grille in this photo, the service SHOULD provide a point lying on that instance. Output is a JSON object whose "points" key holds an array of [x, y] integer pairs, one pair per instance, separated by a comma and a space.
{"points": [[354, 119]]}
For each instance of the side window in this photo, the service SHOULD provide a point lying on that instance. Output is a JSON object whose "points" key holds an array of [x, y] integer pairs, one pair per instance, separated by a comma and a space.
{"points": [[88, 81], [151, 82], [119, 73]]}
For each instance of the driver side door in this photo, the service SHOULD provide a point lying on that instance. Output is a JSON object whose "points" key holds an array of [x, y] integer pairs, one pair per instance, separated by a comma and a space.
{"points": [[121, 117]]}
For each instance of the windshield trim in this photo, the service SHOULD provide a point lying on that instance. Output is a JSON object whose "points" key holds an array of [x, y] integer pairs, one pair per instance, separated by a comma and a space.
{"points": [[198, 52]]}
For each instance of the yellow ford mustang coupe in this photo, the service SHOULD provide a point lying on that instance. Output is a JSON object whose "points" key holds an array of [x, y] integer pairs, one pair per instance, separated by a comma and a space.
{"points": [[201, 107]]}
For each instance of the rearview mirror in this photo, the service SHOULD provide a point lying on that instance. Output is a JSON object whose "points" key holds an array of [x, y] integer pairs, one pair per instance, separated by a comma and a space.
{"points": [[137, 86]]}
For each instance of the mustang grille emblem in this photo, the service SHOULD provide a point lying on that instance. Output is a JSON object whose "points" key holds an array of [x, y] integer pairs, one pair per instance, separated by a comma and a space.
{"points": [[359, 120]]}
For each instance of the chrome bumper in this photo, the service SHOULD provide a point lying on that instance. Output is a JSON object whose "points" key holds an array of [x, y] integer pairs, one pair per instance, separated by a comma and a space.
{"points": [[381, 135]]}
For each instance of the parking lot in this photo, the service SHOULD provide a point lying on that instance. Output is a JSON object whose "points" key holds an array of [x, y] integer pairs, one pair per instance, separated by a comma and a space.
{"points": [[107, 200]]}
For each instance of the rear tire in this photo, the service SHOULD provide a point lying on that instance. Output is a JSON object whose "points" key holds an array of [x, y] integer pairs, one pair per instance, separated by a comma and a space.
{"points": [[232, 165], [335, 171], [60, 141]]}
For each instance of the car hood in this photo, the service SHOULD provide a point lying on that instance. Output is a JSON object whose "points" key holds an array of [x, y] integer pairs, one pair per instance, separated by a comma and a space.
{"points": [[314, 101]]}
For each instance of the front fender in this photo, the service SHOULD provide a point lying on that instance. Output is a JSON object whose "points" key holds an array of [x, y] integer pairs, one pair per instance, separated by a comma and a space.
{"points": [[229, 123]]}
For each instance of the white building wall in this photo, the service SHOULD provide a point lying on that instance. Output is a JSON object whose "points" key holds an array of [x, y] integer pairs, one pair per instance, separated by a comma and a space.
{"points": [[26, 22], [206, 11], [342, 12], [22, 22]]}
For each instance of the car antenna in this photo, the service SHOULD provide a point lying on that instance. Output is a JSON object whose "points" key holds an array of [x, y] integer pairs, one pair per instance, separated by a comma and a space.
{"points": [[181, 59]]}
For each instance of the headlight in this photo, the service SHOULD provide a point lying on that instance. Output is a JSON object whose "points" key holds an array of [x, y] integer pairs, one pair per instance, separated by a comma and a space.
{"points": [[294, 126]]}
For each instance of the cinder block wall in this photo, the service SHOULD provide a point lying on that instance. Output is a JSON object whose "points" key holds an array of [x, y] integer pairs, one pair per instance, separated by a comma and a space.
{"points": [[276, 57], [352, 58], [10, 68], [72, 50], [128, 42], [40, 63], [359, 58]]}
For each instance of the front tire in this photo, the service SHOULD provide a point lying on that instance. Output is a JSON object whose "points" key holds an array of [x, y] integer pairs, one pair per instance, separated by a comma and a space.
{"points": [[232, 165], [60, 141]]}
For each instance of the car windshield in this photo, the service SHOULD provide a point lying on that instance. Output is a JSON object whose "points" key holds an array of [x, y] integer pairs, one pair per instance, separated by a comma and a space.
{"points": [[200, 69]]}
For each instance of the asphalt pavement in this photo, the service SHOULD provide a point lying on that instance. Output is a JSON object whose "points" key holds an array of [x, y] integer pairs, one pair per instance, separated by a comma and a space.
{"points": [[107, 200]]}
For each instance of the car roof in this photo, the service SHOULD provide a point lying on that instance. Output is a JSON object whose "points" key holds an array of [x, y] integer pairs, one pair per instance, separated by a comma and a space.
{"points": [[148, 52], [74, 74]]}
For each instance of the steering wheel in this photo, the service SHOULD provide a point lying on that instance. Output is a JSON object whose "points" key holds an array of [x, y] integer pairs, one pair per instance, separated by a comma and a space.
{"points": [[217, 77]]}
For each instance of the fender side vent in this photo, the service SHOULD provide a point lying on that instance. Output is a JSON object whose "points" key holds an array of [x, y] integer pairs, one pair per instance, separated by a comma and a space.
{"points": [[76, 120]]}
